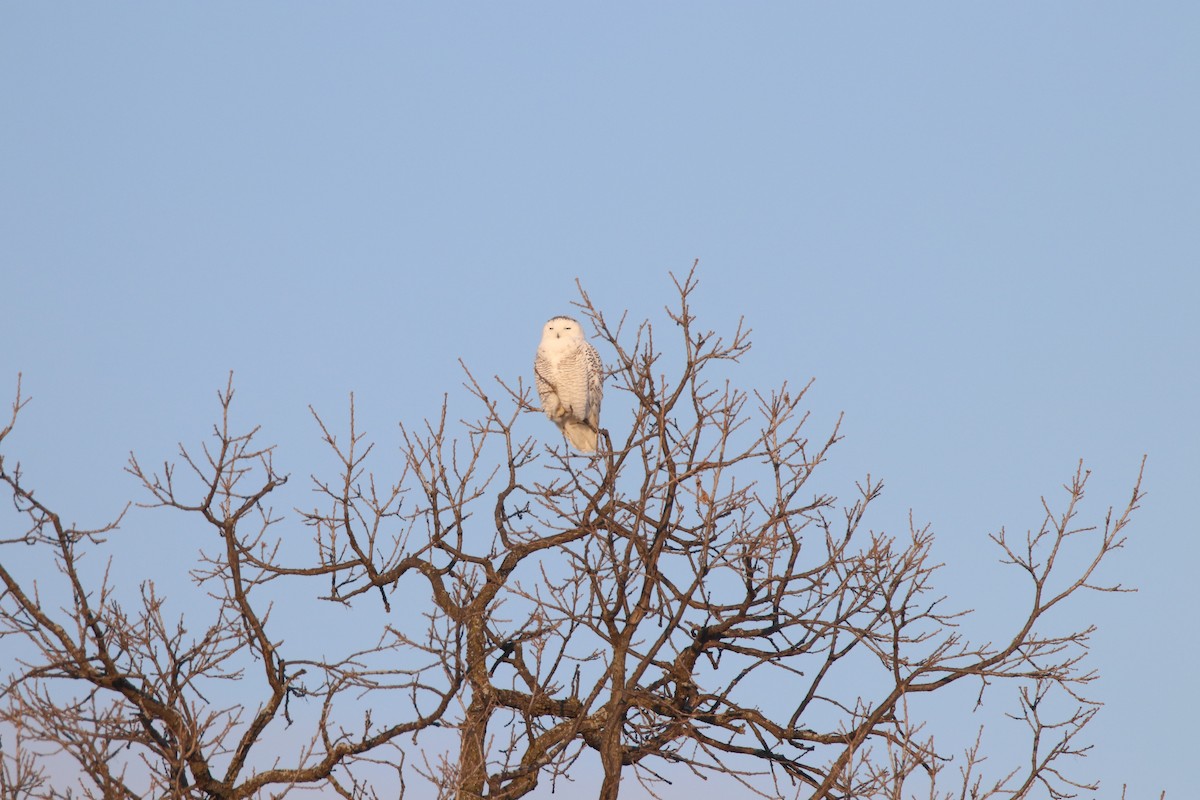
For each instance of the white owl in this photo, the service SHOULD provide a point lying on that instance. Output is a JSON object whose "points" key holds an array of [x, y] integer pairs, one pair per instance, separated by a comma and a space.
{"points": [[570, 379]]}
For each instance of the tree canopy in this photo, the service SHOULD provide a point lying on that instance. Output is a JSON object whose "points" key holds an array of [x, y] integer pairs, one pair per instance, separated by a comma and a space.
{"points": [[683, 602]]}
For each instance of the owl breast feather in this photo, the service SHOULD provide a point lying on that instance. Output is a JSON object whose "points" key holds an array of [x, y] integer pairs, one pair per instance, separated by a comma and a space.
{"points": [[571, 381]]}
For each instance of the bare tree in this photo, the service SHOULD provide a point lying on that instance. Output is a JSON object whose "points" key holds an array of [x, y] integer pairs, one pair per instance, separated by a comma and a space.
{"points": [[682, 602]]}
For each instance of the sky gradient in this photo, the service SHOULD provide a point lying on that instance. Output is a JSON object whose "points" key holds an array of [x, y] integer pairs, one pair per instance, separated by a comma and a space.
{"points": [[974, 226]]}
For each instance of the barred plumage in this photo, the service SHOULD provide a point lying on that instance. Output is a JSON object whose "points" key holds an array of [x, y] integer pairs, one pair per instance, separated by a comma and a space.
{"points": [[570, 377]]}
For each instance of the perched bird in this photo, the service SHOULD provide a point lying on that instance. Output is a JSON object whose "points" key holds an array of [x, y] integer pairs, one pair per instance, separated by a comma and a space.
{"points": [[570, 379]]}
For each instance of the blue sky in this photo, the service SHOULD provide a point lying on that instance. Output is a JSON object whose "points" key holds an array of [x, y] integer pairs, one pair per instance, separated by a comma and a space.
{"points": [[974, 225]]}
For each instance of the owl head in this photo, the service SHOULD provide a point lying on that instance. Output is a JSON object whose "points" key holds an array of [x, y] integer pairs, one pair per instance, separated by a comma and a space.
{"points": [[562, 329]]}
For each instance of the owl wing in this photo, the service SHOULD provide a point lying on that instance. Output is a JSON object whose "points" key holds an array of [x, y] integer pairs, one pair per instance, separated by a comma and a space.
{"points": [[595, 383], [542, 370]]}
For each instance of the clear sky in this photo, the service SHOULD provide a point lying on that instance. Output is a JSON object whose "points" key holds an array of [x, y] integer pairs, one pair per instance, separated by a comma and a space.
{"points": [[977, 226]]}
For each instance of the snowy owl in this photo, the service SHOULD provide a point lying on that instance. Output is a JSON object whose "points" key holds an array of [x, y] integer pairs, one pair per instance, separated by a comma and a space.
{"points": [[569, 378]]}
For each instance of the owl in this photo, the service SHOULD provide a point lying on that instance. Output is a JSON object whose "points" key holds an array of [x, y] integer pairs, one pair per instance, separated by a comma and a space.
{"points": [[570, 378]]}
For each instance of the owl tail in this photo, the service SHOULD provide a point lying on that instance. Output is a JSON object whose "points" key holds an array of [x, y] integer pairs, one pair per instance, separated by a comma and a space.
{"points": [[581, 435]]}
